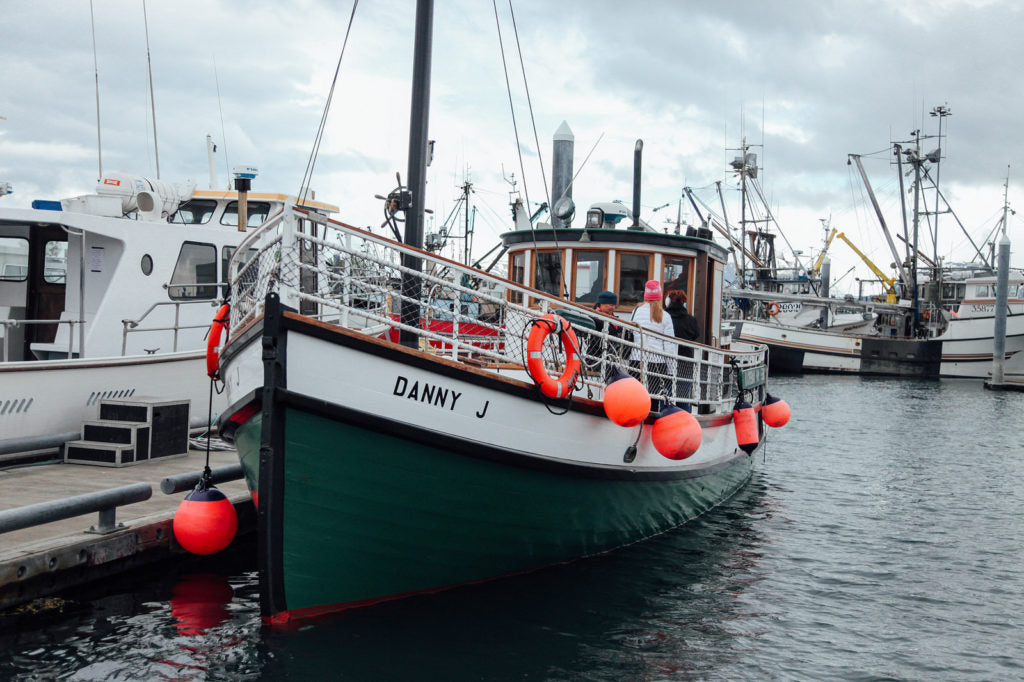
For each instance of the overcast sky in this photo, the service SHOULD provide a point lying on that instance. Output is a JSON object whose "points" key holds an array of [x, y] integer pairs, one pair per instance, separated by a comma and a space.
{"points": [[806, 83]]}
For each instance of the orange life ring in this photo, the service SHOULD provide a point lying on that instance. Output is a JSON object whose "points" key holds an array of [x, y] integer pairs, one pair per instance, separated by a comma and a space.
{"points": [[549, 386], [773, 308], [220, 321]]}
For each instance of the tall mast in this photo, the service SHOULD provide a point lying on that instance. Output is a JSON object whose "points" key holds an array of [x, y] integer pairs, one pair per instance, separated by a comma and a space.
{"points": [[152, 103], [96, 68], [419, 114], [939, 112]]}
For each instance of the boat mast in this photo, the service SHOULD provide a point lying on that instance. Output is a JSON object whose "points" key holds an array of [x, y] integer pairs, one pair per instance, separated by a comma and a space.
{"points": [[96, 69], [152, 103], [939, 112], [412, 284]]}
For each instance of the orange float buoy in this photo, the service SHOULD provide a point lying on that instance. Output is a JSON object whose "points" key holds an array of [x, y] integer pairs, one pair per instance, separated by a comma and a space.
{"points": [[744, 419], [205, 521], [676, 433], [626, 401], [774, 411]]}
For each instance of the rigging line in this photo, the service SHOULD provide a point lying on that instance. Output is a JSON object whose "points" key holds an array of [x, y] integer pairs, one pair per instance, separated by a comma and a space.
{"points": [[96, 68], [308, 176], [536, 141], [529, 102]]}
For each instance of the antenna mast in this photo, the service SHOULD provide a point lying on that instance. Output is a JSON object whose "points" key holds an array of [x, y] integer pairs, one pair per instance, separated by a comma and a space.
{"points": [[152, 104], [96, 68]]}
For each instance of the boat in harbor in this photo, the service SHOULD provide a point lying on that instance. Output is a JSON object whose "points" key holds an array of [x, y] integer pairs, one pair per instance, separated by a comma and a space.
{"points": [[932, 320], [386, 467], [108, 296]]}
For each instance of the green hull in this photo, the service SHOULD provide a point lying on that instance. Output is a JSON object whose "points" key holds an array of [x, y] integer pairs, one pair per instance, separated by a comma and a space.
{"points": [[367, 516]]}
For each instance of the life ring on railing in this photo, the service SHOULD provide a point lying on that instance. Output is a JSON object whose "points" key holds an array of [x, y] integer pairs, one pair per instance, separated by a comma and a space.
{"points": [[550, 386], [773, 308], [220, 321]]}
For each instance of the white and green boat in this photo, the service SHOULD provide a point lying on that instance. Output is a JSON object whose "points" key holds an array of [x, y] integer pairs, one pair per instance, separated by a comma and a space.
{"points": [[390, 456]]}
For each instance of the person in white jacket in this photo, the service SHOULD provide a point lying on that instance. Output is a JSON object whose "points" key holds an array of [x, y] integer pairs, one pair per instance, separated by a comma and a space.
{"points": [[651, 315]]}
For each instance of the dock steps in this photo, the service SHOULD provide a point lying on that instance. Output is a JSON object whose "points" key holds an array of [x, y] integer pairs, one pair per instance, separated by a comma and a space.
{"points": [[132, 431]]}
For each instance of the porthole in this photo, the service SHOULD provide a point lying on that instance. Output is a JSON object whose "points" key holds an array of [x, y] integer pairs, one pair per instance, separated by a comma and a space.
{"points": [[147, 265]]}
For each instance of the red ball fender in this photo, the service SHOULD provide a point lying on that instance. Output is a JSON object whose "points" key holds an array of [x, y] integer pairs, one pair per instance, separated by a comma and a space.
{"points": [[220, 321], [550, 386]]}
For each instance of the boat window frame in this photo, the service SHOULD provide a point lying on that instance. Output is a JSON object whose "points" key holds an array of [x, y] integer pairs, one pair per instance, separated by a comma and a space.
{"points": [[24, 278], [48, 271], [561, 271], [211, 203], [602, 279], [517, 276], [231, 209], [691, 268], [620, 256], [204, 290]]}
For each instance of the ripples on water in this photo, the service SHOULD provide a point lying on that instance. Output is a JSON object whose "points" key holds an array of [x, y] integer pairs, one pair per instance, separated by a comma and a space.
{"points": [[880, 539]]}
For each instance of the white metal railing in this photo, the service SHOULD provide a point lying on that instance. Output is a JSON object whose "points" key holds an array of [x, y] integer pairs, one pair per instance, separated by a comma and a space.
{"points": [[132, 326], [353, 278], [11, 324]]}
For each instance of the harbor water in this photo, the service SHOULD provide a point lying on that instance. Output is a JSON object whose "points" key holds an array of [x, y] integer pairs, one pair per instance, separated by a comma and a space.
{"points": [[879, 539]]}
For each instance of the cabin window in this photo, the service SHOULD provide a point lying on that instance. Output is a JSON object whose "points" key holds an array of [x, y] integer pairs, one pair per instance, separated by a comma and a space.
{"points": [[256, 213], [195, 212], [676, 274], [517, 271], [589, 276], [13, 259], [981, 291], [197, 264], [56, 268], [634, 271], [548, 277]]}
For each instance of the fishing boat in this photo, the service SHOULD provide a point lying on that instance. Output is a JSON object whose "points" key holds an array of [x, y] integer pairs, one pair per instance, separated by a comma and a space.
{"points": [[933, 319], [383, 468], [108, 296]]}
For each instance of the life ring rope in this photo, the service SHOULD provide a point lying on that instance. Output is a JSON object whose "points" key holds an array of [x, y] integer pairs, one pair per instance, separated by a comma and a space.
{"points": [[220, 322], [564, 384]]}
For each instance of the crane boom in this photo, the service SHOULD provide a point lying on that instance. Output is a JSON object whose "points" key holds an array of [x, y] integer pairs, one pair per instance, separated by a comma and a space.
{"points": [[889, 281], [821, 256]]}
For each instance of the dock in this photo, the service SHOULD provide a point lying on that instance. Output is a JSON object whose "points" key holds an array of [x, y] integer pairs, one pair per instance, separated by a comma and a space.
{"points": [[48, 559]]}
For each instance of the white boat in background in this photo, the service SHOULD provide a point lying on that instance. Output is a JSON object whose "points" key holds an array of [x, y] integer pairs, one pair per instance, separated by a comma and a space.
{"points": [[939, 322], [111, 296]]}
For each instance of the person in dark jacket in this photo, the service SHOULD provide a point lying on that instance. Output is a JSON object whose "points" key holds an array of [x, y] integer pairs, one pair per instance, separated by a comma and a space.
{"points": [[606, 302], [687, 328]]}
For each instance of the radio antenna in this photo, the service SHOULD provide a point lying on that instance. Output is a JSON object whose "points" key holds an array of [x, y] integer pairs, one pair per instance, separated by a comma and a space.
{"points": [[96, 68], [152, 104]]}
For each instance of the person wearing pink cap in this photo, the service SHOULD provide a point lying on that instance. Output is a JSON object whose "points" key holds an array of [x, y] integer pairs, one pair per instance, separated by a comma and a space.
{"points": [[651, 315]]}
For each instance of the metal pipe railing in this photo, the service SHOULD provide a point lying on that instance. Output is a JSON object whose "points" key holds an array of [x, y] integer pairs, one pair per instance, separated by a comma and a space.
{"points": [[9, 324], [104, 501], [181, 482], [131, 326]]}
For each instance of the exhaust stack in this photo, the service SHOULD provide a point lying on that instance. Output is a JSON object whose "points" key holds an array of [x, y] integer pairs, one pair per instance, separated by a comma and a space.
{"points": [[637, 155]]}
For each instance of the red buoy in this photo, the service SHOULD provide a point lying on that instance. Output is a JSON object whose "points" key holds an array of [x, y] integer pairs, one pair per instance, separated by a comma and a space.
{"points": [[676, 433], [774, 411], [626, 401], [744, 419], [205, 522]]}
